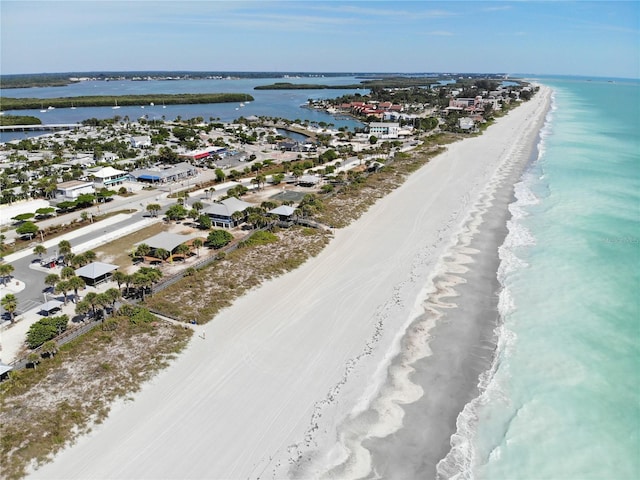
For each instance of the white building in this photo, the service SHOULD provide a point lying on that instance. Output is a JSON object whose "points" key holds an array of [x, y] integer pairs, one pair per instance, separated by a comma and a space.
{"points": [[74, 188], [384, 129], [143, 141], [109, 176]]}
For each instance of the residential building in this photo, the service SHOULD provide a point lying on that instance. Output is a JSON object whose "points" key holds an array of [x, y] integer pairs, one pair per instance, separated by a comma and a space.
{"points": [[109, 177], [143, 141], [384, 129], [222, 213]]}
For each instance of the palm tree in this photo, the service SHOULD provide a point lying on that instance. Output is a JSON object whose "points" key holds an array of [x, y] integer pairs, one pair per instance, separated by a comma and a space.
{"points": [[154, 209], [128, 281], [63, 287], [79, 260], [183, 249], [119, 277], [6, 269], [34, 359], [49, 348], [83, 307], [39, 250], [89, 256], [67, 272], [142, 281], [64, 247], [112, 295], [143, 250], [162, 253], [51, 280], [237, 217], [10, 303], [93, 300], [76, 283], [197, 244]]}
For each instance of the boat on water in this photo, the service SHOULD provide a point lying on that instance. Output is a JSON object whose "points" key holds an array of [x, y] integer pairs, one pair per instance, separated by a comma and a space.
{"points": [[116, 106], [241, 104], [50, 108], [72, 106], [42, 109]]}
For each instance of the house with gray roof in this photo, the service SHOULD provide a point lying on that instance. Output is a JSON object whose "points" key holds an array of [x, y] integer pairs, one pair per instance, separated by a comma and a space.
{"points": [[222, 213], [165, 174]]}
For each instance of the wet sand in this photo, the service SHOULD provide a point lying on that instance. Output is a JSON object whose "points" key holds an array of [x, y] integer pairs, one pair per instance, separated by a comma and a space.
{"points": [[281, 372]]}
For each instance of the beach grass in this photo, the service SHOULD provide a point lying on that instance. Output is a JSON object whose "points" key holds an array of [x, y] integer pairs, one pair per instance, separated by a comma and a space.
{"points": [[44, 408]]}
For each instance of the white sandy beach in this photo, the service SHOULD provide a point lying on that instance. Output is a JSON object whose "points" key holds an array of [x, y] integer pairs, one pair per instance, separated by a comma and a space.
{"points": [[281, 368]]}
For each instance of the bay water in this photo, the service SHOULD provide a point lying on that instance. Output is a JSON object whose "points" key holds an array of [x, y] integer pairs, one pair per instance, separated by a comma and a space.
{"points": [[269, 103], [562, 398]]}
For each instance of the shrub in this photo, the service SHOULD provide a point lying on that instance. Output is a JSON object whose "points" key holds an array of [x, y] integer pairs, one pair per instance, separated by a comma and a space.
{"points": [[219, 238], [46, 329], [259, 238]]}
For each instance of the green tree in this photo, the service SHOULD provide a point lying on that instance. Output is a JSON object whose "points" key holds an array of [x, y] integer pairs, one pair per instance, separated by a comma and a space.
{"points": [[154, 209], [67, 272], [10, 303], [162, 253], [220, 176], [183, 249], [197, 244], [204, 222], [219, 238], [83, 307], [176, 212], [46, 329], [63, 287], [34, 359], [64, 247], [39, 250], [6, 269], [120, 278], [28, 229], [142, 250], [111, 296], [51, 280], [76, 283], [93, 299], [85, 200], [49, 348]]}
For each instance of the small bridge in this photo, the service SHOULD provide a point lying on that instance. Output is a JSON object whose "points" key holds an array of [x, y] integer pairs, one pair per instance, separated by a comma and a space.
{"points": [[50, 127]]}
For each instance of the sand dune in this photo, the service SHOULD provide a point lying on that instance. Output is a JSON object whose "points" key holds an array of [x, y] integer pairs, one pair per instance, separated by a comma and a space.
{"points": [[281, 368]]}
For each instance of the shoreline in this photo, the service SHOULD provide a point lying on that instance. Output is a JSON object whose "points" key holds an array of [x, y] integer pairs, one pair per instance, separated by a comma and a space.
{"points": [[287, 362], [415, 412]]}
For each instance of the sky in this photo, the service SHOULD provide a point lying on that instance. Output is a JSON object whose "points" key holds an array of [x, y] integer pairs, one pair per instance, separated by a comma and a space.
{"points": [[515, 37]]}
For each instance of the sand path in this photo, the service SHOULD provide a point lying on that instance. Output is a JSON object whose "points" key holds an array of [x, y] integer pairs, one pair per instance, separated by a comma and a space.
{"points": [[278, 370]]}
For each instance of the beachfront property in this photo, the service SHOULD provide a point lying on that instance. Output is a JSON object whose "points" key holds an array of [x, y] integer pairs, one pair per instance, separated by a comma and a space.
{"points": [[74, 188], [222, 213], [384, 129], [472, 104], [165, 173]]}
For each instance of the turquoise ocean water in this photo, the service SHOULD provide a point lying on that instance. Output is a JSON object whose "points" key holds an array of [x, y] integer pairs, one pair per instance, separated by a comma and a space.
{"points": [[562, 400]]}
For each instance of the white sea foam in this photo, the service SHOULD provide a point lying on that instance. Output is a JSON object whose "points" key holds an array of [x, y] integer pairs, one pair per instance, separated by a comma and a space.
{"points": [[459, 463]]}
